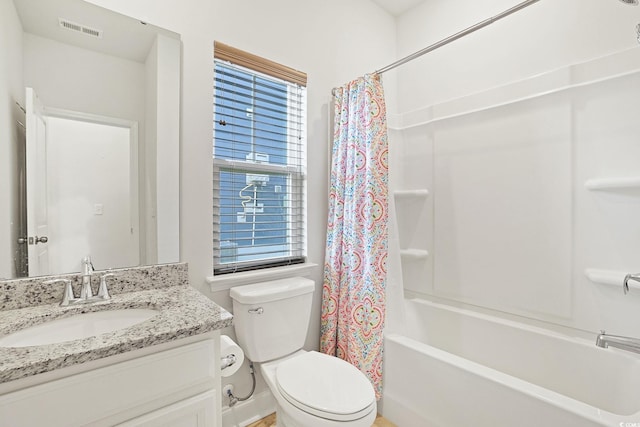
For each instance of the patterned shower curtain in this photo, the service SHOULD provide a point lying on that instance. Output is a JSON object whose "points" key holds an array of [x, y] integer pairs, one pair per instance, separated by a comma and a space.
{"points": [[353, 295]]}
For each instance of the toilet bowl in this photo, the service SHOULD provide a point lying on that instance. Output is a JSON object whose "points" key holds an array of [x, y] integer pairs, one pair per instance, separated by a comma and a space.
{"points": [[316, 390], [311, 389]]}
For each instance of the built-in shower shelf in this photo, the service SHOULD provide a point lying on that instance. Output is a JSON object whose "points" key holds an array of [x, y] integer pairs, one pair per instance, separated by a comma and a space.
{"points": [[609, 277], [414, 254], [411, 194], [604, 184]]}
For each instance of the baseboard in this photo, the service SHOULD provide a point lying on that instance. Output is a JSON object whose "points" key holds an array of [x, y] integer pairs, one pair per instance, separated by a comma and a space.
{"points": [[249, 411]]}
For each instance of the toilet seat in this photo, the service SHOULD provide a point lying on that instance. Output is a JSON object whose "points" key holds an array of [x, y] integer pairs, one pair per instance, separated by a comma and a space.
{"points": [[325, 386]]}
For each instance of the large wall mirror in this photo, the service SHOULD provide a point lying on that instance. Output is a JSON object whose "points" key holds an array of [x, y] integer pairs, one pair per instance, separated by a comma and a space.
{"points": [[94, 156]]}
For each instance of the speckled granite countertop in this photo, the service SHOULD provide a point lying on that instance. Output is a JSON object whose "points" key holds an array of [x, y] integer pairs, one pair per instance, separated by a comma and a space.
{"points": [[182, 312]]}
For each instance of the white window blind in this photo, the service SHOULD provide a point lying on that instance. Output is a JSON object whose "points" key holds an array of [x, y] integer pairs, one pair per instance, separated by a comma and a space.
{"points": [[259, 170]]}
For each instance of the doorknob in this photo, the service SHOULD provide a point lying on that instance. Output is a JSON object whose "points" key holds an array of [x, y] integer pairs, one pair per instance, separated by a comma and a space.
{"points": [[33, 240], [42, 239]]}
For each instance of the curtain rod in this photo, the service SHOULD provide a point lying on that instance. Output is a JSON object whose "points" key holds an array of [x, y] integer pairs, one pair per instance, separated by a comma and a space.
{"points": [[457, 36]]}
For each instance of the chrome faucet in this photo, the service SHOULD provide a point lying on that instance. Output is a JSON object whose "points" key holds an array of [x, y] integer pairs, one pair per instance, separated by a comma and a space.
{"points": [[67, 298], [628, 277], [624, 343], [87, 270], [103, 291], [86, 294]]}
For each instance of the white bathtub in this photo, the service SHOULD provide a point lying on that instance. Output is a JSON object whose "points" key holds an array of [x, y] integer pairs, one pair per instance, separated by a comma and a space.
{"points": [[463, 369]]}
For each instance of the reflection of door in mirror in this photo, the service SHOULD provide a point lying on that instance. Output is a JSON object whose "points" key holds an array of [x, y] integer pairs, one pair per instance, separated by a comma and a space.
{"points": [[37, 223], [92, 194], [19, 241], [82, 189]]}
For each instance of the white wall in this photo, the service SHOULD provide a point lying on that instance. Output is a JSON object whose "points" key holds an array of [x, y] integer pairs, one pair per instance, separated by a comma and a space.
{"points": [[11, 90], [88, 214], [167, 151], [148, 151], [511, 227], [332, 41], [161, 151], [543, 37], [77, 79]]}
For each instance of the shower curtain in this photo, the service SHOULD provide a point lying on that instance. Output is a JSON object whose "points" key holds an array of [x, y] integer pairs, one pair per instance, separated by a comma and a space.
{"points": [[353, 294]]}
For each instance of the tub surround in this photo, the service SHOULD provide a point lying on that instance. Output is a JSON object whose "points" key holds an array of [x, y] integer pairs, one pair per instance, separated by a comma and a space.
{"points": [[588, 214], [183, 312]]}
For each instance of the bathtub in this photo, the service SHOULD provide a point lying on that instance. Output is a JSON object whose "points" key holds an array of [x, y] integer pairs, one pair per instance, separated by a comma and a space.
{"points": [[464, 369]]}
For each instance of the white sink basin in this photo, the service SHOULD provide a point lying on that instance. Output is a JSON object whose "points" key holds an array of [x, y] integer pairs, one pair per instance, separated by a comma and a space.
{"points": [[77, 327]]}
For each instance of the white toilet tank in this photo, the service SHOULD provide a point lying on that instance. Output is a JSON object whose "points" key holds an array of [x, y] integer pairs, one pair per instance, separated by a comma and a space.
{"points": [[271, 319]]}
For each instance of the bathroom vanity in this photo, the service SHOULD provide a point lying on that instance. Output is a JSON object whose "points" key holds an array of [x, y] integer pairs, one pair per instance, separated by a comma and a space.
{"points": [[160, 371]]}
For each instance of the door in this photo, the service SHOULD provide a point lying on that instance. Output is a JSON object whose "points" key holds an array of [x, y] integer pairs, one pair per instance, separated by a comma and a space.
{"points": [[37, 224], [92, 192]]}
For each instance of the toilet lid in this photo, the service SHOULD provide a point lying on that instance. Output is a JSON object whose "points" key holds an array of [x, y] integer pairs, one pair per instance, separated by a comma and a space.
{"points": [[325, 386]]}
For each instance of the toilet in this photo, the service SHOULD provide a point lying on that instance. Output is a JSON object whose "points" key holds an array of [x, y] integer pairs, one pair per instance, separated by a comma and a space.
{"points": [[311, 389]]}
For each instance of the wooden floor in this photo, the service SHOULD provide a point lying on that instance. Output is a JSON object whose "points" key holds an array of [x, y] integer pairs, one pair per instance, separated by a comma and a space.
{"points": [[270, 421]]}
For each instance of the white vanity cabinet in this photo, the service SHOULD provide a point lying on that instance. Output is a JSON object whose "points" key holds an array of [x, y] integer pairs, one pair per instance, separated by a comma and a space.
{"points": [[197, 411], [176, 385]]}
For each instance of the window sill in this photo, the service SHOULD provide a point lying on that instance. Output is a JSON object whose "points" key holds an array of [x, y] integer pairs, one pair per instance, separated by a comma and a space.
{"points": [[227, 281]]}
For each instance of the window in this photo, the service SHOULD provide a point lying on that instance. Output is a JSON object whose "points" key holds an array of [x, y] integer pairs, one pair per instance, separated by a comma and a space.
{"points": [[259, 163]]}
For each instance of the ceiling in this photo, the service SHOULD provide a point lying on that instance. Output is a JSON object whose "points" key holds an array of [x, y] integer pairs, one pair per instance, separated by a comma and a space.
{"points": [[121, 36], [397, 7]]}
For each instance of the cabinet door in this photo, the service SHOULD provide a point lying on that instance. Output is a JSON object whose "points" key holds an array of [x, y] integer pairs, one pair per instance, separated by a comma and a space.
{"points": [[124, 390], [197, 411]]}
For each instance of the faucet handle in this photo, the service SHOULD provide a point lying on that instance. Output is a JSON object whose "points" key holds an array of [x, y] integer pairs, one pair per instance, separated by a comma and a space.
{"points": [[87, 265], [625, 285], [67, 297], [103, 291]]}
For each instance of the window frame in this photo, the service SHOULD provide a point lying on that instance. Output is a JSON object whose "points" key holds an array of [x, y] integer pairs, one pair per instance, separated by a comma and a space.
{"points": [[296, 174]]}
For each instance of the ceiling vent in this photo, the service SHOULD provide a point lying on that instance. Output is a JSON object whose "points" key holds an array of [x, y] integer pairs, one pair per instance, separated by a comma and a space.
{"points": [[74, 26]]}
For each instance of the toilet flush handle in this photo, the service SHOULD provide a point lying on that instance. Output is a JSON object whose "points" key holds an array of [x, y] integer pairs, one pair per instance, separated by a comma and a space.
{"points": [[258, 310]]}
